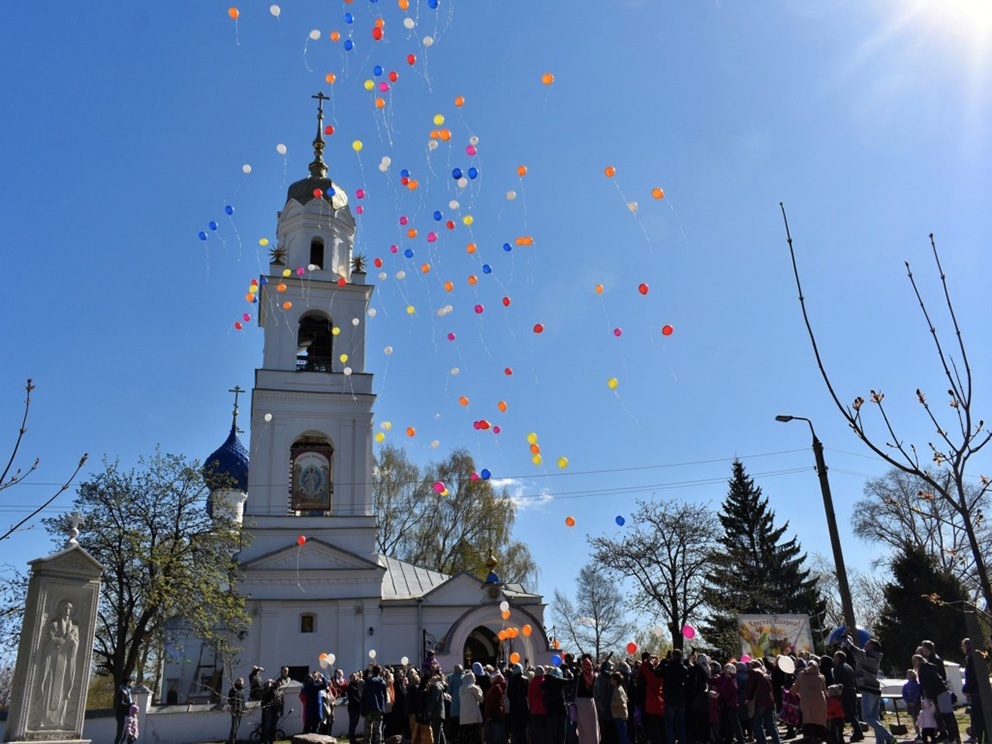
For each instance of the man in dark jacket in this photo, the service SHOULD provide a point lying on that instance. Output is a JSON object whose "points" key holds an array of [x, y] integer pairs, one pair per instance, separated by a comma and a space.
{"points": [[374, 703], [673, 676], [236, 705], [935, 688], [867, 662], [844, 676]]}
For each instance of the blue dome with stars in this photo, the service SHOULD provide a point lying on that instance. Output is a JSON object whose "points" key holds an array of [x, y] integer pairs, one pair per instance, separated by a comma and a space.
{"points": [[227, 467]]}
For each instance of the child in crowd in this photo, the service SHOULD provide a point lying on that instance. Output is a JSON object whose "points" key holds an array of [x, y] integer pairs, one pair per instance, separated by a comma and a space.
{"points": [[618, 707], [927, 721], [911, 695], [835, 714], [131, 725]]}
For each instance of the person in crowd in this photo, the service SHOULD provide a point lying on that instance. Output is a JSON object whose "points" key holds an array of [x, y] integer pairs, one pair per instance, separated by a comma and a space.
{"points": [[255, 683], [354, 691], [867, 661], [618, 707], [728, 702], [970, 689], [518, 715], [844, 675], [934, 688], [759, 690], [413, 705], [494, 712], [454, 708], [835, 714], [911, 696], [603, 699], [374, 704], [236, 707], [123, 700], [927, 721], [673, 678], [433, 703], [554, 704], [650, 681], [470, 720], [272, 706], [310, 697], [537, 728], [131, 725], [811, 687]]}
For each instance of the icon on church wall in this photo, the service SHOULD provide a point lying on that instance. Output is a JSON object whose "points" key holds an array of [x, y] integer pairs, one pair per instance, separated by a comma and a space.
{"points": [[311, 482]]}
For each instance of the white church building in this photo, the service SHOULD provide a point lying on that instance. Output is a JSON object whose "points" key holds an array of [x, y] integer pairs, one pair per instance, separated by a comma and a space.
{"points": [[313, 581]]}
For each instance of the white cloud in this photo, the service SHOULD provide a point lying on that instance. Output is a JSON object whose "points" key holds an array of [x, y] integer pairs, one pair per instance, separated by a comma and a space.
{"points": [[520, 499]]}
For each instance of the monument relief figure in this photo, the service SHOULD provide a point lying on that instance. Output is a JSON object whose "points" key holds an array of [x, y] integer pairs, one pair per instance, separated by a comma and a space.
{"points": [[60, 641]]}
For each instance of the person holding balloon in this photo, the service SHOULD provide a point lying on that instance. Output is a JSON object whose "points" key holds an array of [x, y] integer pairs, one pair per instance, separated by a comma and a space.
{"points": [[758, 691]]}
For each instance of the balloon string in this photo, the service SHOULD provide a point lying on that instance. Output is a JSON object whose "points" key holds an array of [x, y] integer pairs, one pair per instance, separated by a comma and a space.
{"points": [[299, 549]]}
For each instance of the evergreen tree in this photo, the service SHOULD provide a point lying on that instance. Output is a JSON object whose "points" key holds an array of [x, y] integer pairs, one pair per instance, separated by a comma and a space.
{"points": [[923, 601], [753, 569]]}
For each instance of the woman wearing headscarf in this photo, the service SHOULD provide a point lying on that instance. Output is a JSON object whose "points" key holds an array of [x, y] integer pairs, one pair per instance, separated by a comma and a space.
{"points": [[812, 690]]}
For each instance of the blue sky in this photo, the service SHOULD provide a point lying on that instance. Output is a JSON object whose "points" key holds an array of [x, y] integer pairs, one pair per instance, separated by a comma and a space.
{"points": [[127, 127]]}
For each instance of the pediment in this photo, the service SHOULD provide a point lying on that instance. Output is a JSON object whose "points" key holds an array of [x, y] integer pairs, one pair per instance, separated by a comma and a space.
{"points": [[73, 560], [460, 589], [312, 555]]}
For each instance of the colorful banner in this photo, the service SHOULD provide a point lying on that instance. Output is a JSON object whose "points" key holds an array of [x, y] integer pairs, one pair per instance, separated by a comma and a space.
{"points": [[767, 636]]}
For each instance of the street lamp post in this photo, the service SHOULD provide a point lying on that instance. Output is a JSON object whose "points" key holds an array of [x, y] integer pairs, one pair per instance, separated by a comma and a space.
{"points": [[828, 506]]}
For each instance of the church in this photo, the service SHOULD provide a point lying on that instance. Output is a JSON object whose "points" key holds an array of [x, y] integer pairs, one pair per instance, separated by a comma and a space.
{"points": [[313, 581]]}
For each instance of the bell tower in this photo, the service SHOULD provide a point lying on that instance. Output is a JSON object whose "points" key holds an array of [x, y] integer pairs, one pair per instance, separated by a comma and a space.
{"points": [[311, 413]]}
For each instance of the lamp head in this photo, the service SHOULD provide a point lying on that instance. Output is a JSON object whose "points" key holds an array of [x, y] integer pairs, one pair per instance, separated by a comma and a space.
{"points": [[784, 419]]}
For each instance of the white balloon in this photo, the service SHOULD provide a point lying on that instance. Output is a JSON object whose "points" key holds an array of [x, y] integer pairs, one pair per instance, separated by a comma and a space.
{"points": [[347, 371], [382, 276], [388, 350], [315, 34], [331, 658], [404, 661], [632, 206], [504, 606], [267, 417], [355, 321], [372, 312], [462, 182], [431, 144], [372, 653], [435, 444], [408, 22], [386, 160], [453, 204], [275, 10], [511, 195], [246, 169], [473, 140], [401, 274], [428, 41], [383, 168], [455, 370], [449, 309], [311, 267], [281, 148]]}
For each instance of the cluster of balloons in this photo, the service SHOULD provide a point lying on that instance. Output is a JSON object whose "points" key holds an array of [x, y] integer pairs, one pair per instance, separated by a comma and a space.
{"points": [[326, 660]]}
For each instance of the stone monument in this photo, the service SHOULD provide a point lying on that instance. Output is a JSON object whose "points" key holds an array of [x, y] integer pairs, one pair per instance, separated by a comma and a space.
{"points": [[52, 673]]}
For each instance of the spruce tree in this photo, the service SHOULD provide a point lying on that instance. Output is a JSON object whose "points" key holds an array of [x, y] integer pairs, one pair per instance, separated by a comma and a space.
{"points": [[753, 569], [922, 602]]}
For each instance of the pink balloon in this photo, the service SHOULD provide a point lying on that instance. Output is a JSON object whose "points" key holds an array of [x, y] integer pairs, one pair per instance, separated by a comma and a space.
{"points": [[438, 487], [688, 631], [745, 658]]}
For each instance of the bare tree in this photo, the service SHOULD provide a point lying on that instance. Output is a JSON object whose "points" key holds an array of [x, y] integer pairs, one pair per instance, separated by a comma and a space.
{"points": [[665, 553], [943, 468], [901, 511], [9, 479], [867, 590], [597, 622], [396, 488]]}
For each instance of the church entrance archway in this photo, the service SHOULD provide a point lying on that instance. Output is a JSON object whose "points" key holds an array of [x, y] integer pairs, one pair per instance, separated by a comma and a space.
{"points": [[481, 646]]}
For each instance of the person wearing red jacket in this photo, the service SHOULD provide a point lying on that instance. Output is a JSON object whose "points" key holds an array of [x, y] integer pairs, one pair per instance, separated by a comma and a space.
{"points": [[654, 700]]}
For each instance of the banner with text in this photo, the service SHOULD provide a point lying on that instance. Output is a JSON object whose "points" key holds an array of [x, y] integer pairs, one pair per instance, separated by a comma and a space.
{"points": [[767, 636]]}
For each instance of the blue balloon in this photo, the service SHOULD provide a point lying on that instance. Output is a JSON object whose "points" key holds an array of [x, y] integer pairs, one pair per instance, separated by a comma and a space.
{"points": [[432, 4], [377, 70], [620, 521], [487, 269], [405, 173], [349, 18], [484, 474], [263, 280], [556, 660], [473, 172], [203, 235], [837, 635], [438, 215], [212, 225], [507, 247], [408, 253], [229, 209], [456, 173], [330, 191], [348, 45]]}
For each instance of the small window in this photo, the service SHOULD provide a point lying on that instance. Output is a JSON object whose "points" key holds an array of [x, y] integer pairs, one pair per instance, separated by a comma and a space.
{"points": [[317, 252], [308, 623]]}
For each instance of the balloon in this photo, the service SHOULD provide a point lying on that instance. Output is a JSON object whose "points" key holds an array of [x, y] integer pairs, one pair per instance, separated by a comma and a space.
{"points": [[527, 630], [569, 521], [538, 328], [667, 330], [504, 606], [688, 632], [357, 145], [632, 206], [532, 438], [212, 225], [642, 288], [521, 170], [511, 195], [246, 169], [438, 486], [372, 653], [501, 406], [786, 664], [563, 462], [275, 10], [404, 660], [658, 193], [348, 45], [331, 658], [267, 417], [281, 148], [229, 209], [506, 616], [377, 33], [380, 437], [599, 289], [620, 521], [612, 383], [233, 12], [459, 102], [202, 235], [314, 34], [484, 474], [556, 660], [547, 78], [238, 325], [514, 658], [631, 648], [287, 305], [617, 332], [408, 23], [301, 540], [349, 18], [745, 658], [610, 171], [506, 302]]}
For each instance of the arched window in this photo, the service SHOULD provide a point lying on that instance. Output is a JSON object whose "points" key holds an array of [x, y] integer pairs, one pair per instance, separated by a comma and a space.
{"points": [[314, 344], [317, 252], [308, 623], [311, 477]]}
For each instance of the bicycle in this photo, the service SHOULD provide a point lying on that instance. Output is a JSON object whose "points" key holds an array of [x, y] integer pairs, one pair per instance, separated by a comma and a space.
{"points": [[255, 737]]}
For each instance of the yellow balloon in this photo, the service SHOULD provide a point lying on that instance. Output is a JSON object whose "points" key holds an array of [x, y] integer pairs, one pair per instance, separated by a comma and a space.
{"points": [[335, 331], [379, 436], [613, 382], [287, 272], [356, 145], [438, 120], [468, 219], [563, 462], [537, 459], [263, 242], [532, 438], [343, 358], [369, 85], [410, 310]]}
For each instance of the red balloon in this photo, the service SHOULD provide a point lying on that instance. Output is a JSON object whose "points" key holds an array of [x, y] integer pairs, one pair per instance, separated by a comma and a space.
{"points": [[631, 648], [667, 330], [377, 33], [538, 328], [642, 288], [378, 263], [411, 59], [300, 540], [506, 301]]}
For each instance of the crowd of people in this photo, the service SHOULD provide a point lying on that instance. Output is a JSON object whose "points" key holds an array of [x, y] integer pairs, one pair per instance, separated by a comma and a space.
{"points": [[678, 699]]}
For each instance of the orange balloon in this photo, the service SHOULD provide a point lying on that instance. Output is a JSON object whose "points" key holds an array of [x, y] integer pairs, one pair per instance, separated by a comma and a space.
{"points": [[527, 630], [410, 431], [413, 184], [610, 171], [286, 305], [435, 134], [330, 78], [506, 616], [463, 401], [380, 103], [445, 134], [514, 658], [379, 23], [535, 449], [404, 4], [412, 232], [547, 78], [521, 170], [233, 12], [502, 634], [459, 101], [448, 286], [335, 36], [658, 193], [501, 406], [473, 279], [569, 521], [280, 287], [470, 248], [555, 645], [599, 289]]}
